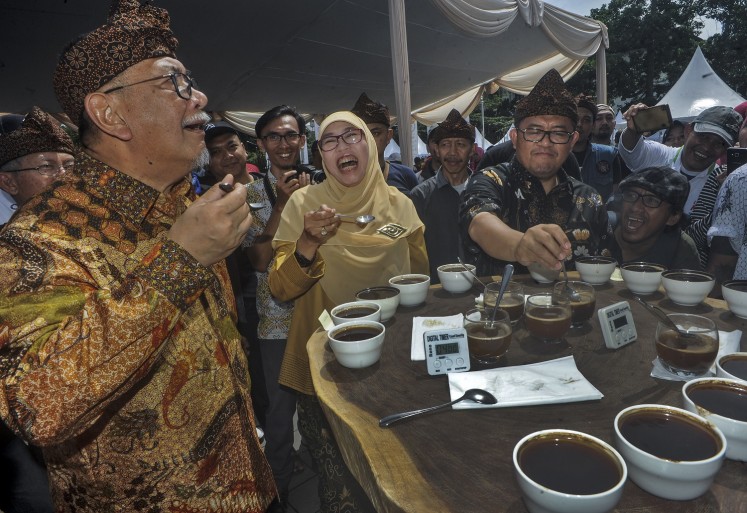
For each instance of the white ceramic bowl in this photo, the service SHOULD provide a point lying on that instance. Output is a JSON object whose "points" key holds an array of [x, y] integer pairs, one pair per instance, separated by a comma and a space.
{"points": [[735, 430], [722, 363], [687, 288], [455, 279], [735, 294], [386, 297], [356, 311], [668, 478], [542, 274], [541, 499], [642, 278], [596, 269], [357, 354], [413, 288]]}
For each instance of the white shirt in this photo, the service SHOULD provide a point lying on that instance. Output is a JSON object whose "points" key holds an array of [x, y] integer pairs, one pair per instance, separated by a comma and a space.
{"points": [[647, 153], [730, 218]]}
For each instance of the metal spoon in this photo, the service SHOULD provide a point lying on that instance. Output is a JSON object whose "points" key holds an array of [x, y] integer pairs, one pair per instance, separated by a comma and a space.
{"points": [[508, 271], [472, 273], [663, 317], [473, 394], [227, 187], [574, 296], [363, 219]]}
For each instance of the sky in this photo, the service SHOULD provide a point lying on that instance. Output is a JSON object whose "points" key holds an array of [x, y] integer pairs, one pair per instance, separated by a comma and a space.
{"points": [[584, 8]]}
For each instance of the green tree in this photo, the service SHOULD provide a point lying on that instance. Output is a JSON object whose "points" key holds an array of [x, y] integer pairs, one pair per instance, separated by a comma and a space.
{"points": [[726, 51], [651, 43]]}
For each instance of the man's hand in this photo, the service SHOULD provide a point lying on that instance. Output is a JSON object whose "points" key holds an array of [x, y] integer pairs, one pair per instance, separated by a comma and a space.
{"points": [[546, 244], [214, 225], [287, 186], [631, 136]]}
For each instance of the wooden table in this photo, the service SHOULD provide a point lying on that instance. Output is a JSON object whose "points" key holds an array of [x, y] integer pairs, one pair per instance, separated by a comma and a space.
{"points": [[461, 460]]}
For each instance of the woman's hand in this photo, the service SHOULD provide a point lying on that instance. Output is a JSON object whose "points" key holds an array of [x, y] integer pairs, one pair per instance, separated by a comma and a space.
{"points": [[318, 227]]}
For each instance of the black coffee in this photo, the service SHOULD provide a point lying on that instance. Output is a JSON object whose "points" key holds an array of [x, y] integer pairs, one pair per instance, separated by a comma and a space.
{"points": [[549, 323], [735, 366], [356, 333], [643, 268], [722, 399], [568, 463], [408, 281], [377, 293], [669, 436], [355, 312], [583, 309], [595, 260], [695, 277], [488, 342], [454, 269], [513, 304], [695, 354]]}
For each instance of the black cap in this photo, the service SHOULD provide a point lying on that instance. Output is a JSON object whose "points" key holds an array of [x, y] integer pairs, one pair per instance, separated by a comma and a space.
{"points": [[666, 183], [214, 129], [721, 121]]}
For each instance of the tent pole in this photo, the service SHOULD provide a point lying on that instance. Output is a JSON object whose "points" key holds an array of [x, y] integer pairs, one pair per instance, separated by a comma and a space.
{"points": [[482, 116], [401, 74], [602, 75]]}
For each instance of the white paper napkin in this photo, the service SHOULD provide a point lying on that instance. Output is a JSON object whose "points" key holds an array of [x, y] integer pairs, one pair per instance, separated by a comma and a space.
{"points": [[728, 342], [422, 324], [554, 381]]}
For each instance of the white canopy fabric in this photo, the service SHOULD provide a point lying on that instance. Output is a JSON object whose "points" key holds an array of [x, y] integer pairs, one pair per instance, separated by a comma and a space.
{"points": [[319, 55], [697, 89]]}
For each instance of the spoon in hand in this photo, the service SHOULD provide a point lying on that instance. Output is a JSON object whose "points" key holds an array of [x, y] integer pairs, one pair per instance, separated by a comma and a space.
{"points": [[659, 314], [363, 219], [227, 187], [473, 394]]}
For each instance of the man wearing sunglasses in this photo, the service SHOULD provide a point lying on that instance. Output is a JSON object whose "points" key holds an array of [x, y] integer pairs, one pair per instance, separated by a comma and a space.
{"points": [[119, 353], [529, 210], [650, 210], [34, 152]]}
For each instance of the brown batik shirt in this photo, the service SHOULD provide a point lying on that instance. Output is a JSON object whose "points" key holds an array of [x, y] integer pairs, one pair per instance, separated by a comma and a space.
{"points": [[517, 198], [119, 354]]}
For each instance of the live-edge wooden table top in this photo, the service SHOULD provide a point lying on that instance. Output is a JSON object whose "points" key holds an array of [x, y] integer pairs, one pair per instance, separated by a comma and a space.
{"points": [[461, 460]]}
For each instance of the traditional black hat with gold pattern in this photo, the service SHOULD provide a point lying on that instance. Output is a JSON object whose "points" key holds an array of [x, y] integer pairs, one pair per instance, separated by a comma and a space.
{"points": [[370, 111], [133, 33], [549, 97], [38, 133], [454, 126]]}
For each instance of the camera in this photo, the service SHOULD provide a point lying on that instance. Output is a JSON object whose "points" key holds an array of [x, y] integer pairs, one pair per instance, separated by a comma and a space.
{"points": [[315, 175]]}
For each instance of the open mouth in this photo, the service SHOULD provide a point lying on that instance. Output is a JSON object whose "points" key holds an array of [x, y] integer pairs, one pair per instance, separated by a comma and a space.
{"points": [[632, 223], [347, 163]]}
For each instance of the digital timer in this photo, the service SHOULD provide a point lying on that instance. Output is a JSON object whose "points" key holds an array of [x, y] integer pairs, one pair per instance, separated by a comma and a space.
{"points": [[617, 325], [446, 350]]}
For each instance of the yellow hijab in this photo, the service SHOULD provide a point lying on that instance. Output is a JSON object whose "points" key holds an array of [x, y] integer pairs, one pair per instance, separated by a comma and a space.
{"points": [[355, 257]]}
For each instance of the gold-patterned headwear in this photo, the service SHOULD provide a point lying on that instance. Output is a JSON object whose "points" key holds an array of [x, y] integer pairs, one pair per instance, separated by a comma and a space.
{"points": [[370, 111], [133, 33], [549, 97], [38, 133], [454, 126]]}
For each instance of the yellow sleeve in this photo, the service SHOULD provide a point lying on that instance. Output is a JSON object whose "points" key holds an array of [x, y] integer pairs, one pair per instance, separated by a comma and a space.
{"points": [[418, 254], [287, 279]]}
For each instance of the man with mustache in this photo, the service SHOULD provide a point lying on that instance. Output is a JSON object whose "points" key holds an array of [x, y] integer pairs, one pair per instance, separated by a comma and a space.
{"points": [[650, 213], [529, 210], [119, 354], [604, 125]]}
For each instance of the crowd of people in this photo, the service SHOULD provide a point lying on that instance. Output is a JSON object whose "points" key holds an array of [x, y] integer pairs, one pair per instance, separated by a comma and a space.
{"points": [[153, 327]]}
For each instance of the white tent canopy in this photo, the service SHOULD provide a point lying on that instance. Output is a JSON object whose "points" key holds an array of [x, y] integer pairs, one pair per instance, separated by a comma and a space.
{"points": [[319, 55], [697, 89]]}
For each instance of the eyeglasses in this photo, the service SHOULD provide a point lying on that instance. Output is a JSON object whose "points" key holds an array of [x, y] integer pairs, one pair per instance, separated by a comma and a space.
{"points": [[46, 169], [290, 138], [648, 200], [183, 84], [330, 142], [536, 135]]}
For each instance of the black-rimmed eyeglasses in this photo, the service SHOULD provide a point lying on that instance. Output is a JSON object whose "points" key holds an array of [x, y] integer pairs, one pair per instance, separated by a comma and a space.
{"points": [[46, 169], [183, 84], [536, 135], [330, 142], [648, 200], [290, 138]]}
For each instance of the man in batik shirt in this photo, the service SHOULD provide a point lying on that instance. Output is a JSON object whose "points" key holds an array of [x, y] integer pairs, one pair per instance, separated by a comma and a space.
{"points": [[529, 210], [119, 354]]}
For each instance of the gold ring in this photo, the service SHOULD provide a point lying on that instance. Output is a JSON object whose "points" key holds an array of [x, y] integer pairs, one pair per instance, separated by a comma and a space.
{"points": [[324, 231]]}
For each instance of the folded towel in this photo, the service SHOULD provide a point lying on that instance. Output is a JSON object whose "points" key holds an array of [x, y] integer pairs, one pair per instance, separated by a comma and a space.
{"points": [[554, 381]]}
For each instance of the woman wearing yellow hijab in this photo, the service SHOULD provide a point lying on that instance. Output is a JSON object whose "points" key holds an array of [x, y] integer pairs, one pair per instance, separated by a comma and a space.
{"points": [[322, 262]]}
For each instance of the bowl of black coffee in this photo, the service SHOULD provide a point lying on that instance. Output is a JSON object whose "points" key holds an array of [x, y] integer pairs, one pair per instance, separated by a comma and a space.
{"points": [[723, 401], [357, 344], [386, 297], [563, 471], [413, 288], [671, 453], [642, 278], [356, 311], [732, 365]]}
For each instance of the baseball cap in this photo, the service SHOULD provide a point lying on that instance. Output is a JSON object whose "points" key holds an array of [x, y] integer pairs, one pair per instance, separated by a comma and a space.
{"points": [[214, 129], [719, 120], [666, 183]]}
